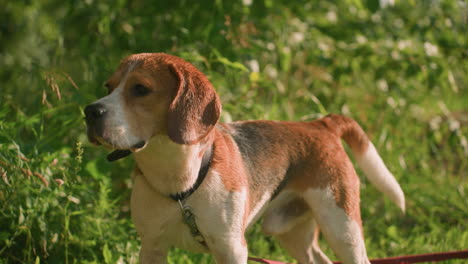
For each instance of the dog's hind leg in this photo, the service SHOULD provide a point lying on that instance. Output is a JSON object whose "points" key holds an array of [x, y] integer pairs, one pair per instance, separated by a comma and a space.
{"points": [[291, 221], [301, 242], [341, 230]]}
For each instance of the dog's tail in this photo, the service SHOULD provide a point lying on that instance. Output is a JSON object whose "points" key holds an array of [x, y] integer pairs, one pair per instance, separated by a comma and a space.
{"points": [[367, 157]]}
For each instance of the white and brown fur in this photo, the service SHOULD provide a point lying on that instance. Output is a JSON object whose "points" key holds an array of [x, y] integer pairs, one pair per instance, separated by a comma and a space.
{"points": [[296, 175]]}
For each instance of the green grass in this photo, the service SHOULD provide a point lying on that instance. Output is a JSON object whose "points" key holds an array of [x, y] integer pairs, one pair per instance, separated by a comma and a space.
{"points": [[401, 72]]}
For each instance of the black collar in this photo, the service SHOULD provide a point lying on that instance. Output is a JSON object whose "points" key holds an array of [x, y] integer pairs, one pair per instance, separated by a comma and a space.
{"points": [[204, 167]]}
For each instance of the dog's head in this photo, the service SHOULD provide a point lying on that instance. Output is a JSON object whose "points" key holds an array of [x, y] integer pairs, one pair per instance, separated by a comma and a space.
{"points": [[151, 94]]}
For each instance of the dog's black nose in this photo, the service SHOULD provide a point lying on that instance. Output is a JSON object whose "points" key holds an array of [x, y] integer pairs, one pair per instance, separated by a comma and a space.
{"points": [[95, 111]]}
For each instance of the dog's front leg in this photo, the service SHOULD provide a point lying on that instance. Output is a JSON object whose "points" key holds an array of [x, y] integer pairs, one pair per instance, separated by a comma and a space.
{"points": [[230, 251], [152, 255]]}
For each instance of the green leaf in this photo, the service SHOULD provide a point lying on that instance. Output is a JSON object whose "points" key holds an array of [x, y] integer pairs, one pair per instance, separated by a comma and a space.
{"points": [[234, 65], [107, 254]]}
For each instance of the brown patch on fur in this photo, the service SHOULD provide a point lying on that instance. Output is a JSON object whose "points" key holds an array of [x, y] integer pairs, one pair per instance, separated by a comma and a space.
{"points": [[265, 148], [196, 106], [227, 161], [349, 130], [309, 154]]}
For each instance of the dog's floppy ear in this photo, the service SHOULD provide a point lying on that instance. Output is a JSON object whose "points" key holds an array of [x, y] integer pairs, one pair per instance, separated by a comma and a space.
{"points": [[196, 107]]}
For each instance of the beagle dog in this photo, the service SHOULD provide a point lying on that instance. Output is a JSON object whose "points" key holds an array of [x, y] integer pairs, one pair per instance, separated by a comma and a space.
{"points": [[200, 184]]}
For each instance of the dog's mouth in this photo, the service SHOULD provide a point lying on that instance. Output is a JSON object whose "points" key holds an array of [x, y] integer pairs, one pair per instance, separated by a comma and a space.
{"points": [[118, 153], [122, 153]]}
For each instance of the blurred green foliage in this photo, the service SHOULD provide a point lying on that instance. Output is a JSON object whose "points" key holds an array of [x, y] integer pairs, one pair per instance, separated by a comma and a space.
{"points": [[401, 71]]}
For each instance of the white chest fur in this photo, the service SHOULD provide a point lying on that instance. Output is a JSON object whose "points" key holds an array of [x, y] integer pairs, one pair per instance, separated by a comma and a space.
{"points": [[167, 166], [158, 219]]}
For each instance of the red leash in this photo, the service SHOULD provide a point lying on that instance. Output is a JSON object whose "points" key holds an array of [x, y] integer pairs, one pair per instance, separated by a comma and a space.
{"points": [[266, 261], [431, 257]]}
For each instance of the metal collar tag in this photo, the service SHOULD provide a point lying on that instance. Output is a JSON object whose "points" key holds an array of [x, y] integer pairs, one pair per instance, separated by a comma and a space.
{"points": [[189, 220]]}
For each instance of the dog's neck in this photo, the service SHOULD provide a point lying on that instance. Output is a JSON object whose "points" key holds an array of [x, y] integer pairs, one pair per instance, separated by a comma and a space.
{"points": [[170, 167]]}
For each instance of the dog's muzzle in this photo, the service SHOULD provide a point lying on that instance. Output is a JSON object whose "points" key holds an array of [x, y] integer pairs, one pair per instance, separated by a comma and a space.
{"points": [[95, 115]]}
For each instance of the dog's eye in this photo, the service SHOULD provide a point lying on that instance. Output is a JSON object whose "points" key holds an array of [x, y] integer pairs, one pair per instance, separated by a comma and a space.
{"points": [[140, 90]]}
